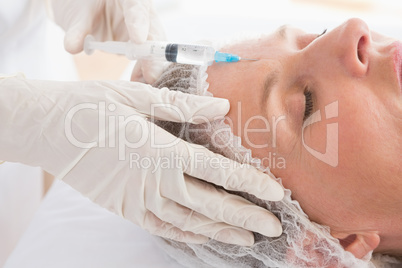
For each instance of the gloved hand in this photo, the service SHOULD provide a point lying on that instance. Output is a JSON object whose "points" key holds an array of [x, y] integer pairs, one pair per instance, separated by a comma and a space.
{"points": [[107, 20], [95, 136]]}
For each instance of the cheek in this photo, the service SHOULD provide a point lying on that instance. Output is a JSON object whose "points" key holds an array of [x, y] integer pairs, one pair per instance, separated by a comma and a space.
{"points": [[361, 128], [316, 140]]}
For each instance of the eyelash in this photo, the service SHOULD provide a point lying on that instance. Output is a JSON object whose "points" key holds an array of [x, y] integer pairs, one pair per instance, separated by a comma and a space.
{"points": [[308, 104], [321, 34]]}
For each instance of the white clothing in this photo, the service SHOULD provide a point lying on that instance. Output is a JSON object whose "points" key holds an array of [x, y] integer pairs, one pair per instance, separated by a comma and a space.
{"points": [[26, 46]]}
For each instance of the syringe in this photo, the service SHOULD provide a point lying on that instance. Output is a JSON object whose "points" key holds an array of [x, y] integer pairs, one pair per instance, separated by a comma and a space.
{"points": [[180, 53]]}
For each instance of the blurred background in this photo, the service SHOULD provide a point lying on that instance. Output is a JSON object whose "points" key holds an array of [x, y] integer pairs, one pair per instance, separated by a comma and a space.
{"points": [[191, 20]]}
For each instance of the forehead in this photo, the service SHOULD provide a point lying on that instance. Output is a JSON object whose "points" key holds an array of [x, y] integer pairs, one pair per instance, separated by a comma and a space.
{"points": [[268, 45]]}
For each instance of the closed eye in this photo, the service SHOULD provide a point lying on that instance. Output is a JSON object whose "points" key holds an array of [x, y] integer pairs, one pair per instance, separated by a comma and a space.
{"points": [[308, 110]]}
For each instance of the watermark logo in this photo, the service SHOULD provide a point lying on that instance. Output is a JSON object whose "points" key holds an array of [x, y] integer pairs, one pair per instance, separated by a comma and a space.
{"points": [[129, 132], [198, 160], [330, 156]]}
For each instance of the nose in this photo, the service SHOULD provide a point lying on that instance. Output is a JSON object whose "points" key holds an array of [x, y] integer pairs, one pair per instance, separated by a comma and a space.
{"points": [[353, 46]]}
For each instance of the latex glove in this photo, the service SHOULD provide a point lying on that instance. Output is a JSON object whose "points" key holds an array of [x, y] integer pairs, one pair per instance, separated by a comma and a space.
{"points": [[106, 20], [55, 125]]}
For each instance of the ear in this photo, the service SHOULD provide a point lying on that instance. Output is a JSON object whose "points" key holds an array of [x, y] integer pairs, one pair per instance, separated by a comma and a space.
{"points": [[359, 244]]}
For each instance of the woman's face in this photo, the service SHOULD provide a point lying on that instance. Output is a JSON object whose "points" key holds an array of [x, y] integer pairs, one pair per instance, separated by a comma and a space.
{"points": [[325, 114]]}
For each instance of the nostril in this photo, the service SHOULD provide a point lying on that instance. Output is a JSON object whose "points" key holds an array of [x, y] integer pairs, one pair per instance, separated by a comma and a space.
{"points": [[355, 48], [361, 49]]}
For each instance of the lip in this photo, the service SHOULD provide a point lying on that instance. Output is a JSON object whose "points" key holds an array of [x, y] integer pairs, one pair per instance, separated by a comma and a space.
{"points": [[398, 62]]}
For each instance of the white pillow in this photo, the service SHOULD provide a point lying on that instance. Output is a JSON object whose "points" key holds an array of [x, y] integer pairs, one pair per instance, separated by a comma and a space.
{"points": [[71, 231]]}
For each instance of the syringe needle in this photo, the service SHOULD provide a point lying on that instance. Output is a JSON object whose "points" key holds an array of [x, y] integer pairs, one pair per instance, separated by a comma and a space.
{"points": [[249, 59]]}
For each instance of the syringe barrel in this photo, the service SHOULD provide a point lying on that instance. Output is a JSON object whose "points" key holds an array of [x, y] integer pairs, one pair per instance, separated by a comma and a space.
{"points": [[190, 54], [180, 53], [146, 50]]}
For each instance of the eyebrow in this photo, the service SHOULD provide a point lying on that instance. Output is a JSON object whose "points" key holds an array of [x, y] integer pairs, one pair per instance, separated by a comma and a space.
{"points": [[270, 81], [272, 78]]}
